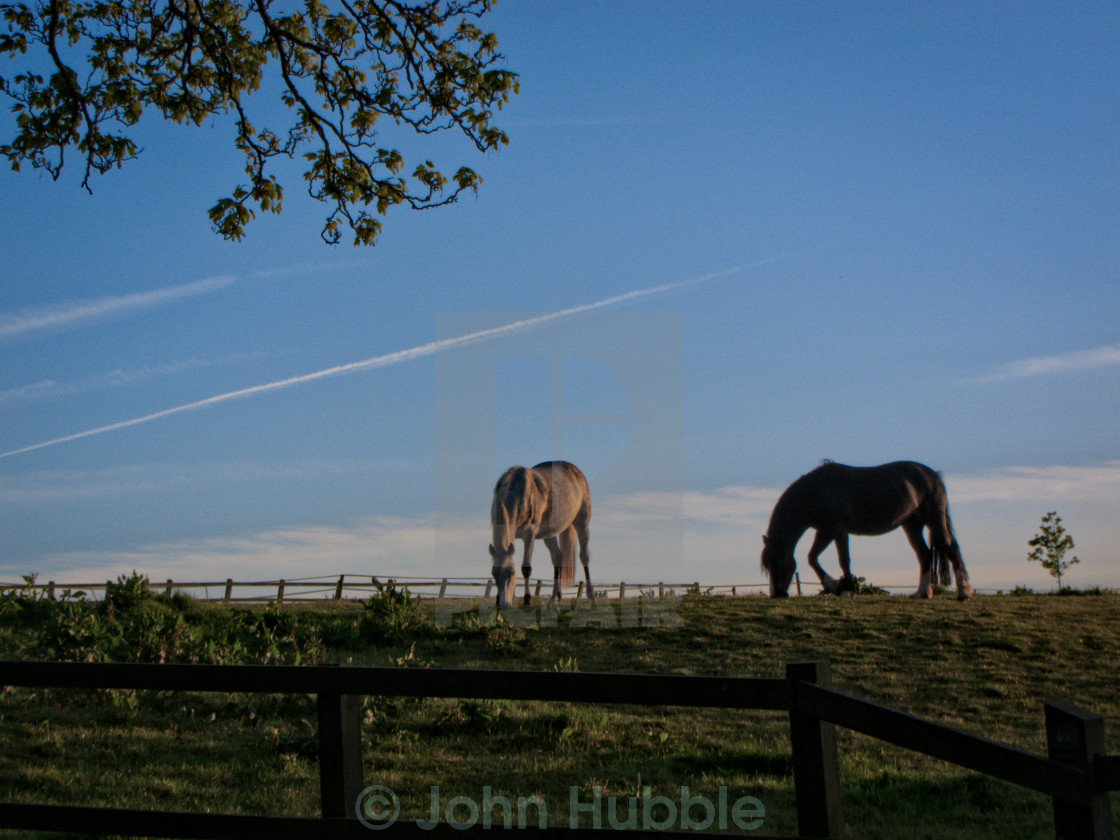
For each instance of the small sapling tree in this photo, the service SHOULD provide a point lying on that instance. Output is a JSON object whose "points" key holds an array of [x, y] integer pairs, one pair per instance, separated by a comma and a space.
{"points": [[1050, 545]]}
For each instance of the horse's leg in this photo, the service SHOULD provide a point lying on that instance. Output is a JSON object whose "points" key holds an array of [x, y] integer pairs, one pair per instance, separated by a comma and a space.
{"points": [[527, 567], [913, 529], [847, 582], [820, 543], [584, 536], [554, 550]]}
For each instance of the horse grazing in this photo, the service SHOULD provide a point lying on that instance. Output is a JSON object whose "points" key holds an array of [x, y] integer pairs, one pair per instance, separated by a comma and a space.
{"points": [[838, 500], [550, 502]]}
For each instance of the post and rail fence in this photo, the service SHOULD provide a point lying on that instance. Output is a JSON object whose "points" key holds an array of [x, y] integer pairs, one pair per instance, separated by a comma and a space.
{"points": [[354, 586], [1077, 773]]}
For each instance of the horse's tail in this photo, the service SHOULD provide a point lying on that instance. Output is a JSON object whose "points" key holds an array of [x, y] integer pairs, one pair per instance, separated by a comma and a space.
{"points": [[939, 572], [942, 538], [568, 556]]}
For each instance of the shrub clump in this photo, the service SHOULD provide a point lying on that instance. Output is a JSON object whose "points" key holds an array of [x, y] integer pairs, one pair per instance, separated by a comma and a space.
{"points": [[134, 624], [392, 613]]}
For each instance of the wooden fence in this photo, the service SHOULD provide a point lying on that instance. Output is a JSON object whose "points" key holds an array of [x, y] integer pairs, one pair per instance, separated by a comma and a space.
{"points": [[362, 586], [1076, 774]]}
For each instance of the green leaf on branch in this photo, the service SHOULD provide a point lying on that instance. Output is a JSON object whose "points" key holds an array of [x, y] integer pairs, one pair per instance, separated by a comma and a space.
{"points": [[425, 66]]}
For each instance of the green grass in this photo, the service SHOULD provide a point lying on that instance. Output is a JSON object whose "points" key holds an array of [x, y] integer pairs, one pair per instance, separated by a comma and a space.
{"points": [[985, 666]]}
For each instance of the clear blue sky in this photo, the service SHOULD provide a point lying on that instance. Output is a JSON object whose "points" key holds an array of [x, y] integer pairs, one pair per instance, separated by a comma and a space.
{"points": [[904, 227]]}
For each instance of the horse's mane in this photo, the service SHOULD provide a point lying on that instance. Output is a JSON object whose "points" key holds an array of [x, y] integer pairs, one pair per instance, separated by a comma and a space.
{"points": [[519, 496], [787, 515], [823, 465]]}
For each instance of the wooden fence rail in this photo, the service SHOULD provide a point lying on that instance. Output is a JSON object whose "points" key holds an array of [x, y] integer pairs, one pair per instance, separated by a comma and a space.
{"points": [[362, 586], [1076, 774], [350, 586]]}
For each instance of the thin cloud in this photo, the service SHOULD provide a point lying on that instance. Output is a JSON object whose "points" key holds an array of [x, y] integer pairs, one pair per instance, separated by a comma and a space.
{"points": [[1042, 484], [711, 536], [1077, 361], [69, 314], [385, 545], [76, 312], [49, 388], [401, 356], [582, 122], [125, 480], [702, 509]]}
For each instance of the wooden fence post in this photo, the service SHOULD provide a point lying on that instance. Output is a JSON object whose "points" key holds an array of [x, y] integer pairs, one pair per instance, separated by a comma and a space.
{"points": [[50, 590], [622, 590], [340, 753], [579, 591], [443, 588], [797, 577], [167, 591], [280, 594], [816, 771], [1075, 737], [229, 589], [487, 595], [338, 589]]}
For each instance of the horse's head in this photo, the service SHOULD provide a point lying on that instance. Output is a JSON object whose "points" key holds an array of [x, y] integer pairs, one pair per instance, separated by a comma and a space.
{"points": [[505, 572], [778, 563]]}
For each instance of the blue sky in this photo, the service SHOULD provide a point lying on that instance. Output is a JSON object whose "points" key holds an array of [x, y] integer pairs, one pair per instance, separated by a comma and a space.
{"points": [[862, 231]]}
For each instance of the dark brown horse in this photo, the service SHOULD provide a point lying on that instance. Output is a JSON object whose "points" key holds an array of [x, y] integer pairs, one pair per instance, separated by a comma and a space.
{"points": [[837, 500], [550, 502]]}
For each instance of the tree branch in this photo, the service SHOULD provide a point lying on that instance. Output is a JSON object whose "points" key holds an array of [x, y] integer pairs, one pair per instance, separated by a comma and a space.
{"points": [[340, 69]]}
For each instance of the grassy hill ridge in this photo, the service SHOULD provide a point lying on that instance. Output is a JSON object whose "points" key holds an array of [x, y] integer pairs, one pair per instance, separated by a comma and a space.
{"points": [[985, 666]]}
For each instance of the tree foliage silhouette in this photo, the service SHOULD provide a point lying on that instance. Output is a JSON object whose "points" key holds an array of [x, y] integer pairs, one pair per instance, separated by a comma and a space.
{"points": [[343, 69]]}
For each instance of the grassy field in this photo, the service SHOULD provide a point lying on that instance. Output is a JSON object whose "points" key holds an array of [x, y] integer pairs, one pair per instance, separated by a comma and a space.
{"points": [[985, 666]]}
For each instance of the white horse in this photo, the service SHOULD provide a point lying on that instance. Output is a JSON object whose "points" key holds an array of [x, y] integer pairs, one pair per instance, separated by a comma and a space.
{"points": [[549, 502]]}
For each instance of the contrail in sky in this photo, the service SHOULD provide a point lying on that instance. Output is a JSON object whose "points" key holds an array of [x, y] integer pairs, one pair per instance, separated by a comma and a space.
{"points": [[1072, 362], [61, 315], [57, 316], [389, 359]]}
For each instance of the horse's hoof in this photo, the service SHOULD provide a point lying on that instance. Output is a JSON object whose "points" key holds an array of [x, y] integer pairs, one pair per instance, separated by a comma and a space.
{"points": [[528, 602]]}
